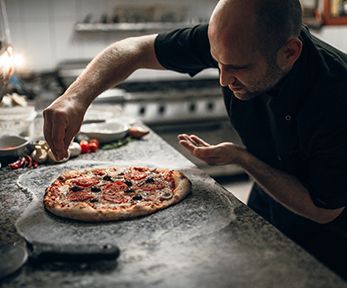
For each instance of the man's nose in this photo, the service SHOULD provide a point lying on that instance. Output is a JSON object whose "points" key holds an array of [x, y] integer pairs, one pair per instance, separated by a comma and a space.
{"points": [[225, 78]]}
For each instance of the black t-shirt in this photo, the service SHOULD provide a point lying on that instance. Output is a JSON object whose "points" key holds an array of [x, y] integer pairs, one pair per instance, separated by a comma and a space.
{"points": [[300, 127]]}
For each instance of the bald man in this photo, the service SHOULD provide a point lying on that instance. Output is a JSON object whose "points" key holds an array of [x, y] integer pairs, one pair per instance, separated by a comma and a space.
{"points": [[285, 92]]}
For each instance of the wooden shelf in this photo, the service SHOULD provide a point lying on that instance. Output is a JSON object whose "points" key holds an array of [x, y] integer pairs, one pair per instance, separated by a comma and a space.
{"points": [[328, 19]]}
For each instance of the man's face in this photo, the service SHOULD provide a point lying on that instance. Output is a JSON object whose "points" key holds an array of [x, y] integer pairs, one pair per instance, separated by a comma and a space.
{"points": [[246, 72]]}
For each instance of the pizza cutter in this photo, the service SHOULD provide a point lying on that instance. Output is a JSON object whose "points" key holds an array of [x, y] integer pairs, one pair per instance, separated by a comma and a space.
{"points": [[13, 257]]}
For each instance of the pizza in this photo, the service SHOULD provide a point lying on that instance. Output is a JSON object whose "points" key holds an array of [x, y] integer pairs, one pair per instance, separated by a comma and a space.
{"points": [[114, 193]]}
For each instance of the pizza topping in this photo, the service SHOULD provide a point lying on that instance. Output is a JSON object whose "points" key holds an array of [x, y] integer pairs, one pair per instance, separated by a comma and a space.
{"points": [[153, 187], [115, 198], [135, 174], [99, 172], [144, 194], [137, 197], [116, 186], [94, 200], [75, 188], [129, 190], [107, 178], [150, 180], [148, 196], [128, 182], [95, 189], [166, 195], [85, 182], [80, 196]]}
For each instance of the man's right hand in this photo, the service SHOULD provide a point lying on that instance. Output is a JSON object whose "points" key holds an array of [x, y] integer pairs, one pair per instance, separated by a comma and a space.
{"points": [[63, 118], [62, 121]]}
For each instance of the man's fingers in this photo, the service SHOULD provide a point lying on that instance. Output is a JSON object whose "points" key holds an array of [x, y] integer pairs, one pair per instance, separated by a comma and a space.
{"points": [[188, 145], [199, 141], [183, 137], [47, 128], [68, 138], [58, 145], [195, 140]]}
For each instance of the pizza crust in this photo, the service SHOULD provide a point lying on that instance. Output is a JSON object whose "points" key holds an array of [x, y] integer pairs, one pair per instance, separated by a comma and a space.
{"points": [[83, 211]]}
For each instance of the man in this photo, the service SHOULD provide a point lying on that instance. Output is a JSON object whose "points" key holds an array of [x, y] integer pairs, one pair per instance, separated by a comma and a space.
{"points": [[285, 92]]}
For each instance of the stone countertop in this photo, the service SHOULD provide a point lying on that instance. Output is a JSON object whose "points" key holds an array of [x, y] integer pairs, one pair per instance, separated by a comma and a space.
{"points": [[210, 239]]}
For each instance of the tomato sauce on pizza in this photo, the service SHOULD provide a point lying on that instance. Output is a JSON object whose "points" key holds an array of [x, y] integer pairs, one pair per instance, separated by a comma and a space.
{"points": [[114, 193]]}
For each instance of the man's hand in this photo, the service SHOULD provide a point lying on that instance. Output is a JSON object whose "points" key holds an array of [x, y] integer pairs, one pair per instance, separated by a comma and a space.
{"points": [[62, 120], [220, 154]]}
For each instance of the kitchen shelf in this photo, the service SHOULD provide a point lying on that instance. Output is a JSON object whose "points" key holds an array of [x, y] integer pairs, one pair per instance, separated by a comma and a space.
{"points": [[329, 19], [110, 27], [313, 23]]}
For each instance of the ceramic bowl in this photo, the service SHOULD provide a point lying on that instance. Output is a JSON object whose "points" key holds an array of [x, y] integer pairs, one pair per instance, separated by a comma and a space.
{"points": [[12, 146], [105, 132]]}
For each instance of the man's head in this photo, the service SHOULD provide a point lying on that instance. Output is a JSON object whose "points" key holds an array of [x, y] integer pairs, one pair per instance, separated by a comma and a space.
{"points": [[255, 43]]}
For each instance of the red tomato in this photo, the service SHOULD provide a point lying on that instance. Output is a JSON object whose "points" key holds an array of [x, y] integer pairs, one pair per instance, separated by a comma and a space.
{"points": [[92, 147], [96, 141], [84, 146]]}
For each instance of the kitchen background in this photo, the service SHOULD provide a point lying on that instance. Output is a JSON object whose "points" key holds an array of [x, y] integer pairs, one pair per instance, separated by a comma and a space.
{"points": [[52, 36], [44, 33]]}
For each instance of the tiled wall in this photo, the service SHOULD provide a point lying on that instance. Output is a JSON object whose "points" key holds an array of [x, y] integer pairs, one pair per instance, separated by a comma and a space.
{"points": [[43, 30]]}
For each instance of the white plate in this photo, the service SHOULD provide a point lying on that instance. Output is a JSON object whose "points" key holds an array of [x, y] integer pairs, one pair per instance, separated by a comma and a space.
{"points": [[105, 132]]}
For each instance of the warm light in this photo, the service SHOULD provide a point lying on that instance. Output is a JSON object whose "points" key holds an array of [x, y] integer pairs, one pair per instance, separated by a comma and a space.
{"points": [[7, 63], [18, 61]]}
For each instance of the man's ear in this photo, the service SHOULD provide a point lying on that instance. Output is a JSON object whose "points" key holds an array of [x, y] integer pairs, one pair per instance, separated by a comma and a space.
{"points": [[289, 53]]}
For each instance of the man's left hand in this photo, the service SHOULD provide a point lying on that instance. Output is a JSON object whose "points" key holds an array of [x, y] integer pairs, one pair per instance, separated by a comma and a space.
{"points": [[220, 154]]}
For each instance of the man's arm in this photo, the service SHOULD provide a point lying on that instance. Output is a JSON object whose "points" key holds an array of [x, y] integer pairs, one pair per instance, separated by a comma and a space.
{"points": [[282, 187], [63, 118]]}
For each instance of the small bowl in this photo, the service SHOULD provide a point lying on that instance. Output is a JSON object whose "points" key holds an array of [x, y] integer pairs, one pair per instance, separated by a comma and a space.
{"points": [[12, 146], [105, 132]]}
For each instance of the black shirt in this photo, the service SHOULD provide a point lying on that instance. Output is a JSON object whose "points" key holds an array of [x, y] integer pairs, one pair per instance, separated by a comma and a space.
{"points": [[300, 127]]}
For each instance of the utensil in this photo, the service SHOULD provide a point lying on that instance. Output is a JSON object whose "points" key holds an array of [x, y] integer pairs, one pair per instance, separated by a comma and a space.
{"points": [[14, 257], [12, 146]]}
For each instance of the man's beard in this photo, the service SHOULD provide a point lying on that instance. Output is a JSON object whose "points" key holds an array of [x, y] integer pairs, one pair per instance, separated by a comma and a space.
{"points": [[273, 75]]}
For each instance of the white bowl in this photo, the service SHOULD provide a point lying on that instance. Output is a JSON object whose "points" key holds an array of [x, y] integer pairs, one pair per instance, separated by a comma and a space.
{"points": [[105, 132], [12, 146], [17, 121]]}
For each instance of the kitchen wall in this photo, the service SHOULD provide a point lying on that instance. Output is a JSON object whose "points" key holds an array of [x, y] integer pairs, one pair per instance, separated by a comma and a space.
{"points": [[43, 30], [334, 35]]}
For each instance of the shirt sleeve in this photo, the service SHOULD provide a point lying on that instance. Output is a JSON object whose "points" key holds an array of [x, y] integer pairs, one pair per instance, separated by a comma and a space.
{"points": [[185, 50], [327, 175]]}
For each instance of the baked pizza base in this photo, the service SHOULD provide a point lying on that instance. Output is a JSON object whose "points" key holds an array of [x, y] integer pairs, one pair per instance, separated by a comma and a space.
{"points": [[85, 211]]}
